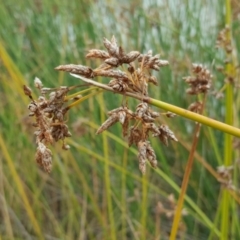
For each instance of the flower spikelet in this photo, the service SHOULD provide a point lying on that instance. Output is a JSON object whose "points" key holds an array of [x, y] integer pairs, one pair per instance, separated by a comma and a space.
{"points": [[200, 81], [44, 157], [164, 134], [142, 156]]}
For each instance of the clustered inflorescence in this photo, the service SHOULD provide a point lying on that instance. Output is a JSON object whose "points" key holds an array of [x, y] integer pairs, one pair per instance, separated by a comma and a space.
{"points": [[199, 82], [49, 112], [138, 124], [134, 77]]}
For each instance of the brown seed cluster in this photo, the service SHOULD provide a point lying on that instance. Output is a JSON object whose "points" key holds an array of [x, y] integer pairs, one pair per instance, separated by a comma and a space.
{"points": [[225, 176], [200, 81], [129, 72], [49, 112], [135, 79], [138, 133], [223, 41]]}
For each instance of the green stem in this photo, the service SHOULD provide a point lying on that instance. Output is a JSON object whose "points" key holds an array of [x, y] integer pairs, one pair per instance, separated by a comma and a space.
{"points": [[107, 178], [228, 152], [196, 117], [82, 99], [178, 211], [166, 106]]}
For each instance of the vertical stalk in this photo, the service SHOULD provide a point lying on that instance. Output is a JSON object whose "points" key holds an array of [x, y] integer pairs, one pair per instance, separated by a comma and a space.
{"points": [[123, 192], [143, 229], [107, 176], [228, 152], [177, 216]]}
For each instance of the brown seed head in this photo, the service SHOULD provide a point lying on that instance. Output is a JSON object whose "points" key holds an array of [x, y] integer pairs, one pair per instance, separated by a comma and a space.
{"points": [[27, 91], [96, 53], [38, 83], [142, 155], [76, 69], [44, 157]]}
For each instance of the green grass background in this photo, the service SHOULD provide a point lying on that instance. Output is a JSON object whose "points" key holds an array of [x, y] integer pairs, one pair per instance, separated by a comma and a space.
{"points": [[96, 190]]}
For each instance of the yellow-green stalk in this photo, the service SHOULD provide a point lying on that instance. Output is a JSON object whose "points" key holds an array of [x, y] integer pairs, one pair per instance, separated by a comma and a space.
{"points": [[228, 152]]}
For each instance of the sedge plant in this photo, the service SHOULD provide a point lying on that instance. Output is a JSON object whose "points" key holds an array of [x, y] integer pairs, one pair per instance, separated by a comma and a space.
{"points": [[130, 75], [95, 190]]}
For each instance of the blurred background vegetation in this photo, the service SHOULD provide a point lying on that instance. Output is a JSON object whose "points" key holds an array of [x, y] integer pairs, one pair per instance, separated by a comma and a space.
{"points": [[96, 190]]}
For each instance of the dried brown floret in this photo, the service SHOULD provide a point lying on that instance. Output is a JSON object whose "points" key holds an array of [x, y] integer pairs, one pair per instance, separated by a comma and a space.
{"points": [[108, 123], [111, 46], [141, 109], [113, 61], [223, 41], [196, 107], [151, 127], [118, 85], [225, 172], [130, 57], [152, 113], [38, 83], [150, 116], [147, 118], [96, 53], [225, 176], [131, 69], [170, 114], [44, 157], [65, 147], [165, 134], [77, 69], [27, 91], [123, 115], [200, 82], [111, 73], [142, 155], [60, 131], [125, 127], [152, 62], [151, 156], [32, 107], [135, 136], [153, 79], [116, 110]]}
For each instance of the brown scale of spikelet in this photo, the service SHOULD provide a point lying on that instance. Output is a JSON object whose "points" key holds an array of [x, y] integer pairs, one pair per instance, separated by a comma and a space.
{"points": [[96, 53], [164, 134], [118, 85], [196, 107], [142, 156], [135, 136], [151, 156], [77, 69], [122, 115]]}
